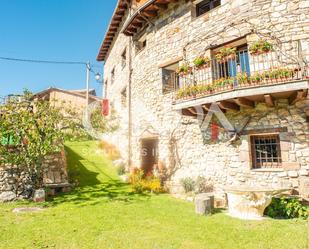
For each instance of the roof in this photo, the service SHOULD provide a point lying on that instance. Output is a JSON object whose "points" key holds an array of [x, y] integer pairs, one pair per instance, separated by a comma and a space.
{"points": [[113, 29], [83, 91], [79, 93], [147, 10]]}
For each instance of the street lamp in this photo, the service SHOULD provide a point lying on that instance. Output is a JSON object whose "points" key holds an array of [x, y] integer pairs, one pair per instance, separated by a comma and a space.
{"points": [[98, 77]]}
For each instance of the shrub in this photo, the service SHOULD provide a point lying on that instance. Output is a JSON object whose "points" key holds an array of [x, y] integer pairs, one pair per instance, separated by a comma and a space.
{"points": [[121, 169], [188, 184], [184, 69], [202, 185], [287, 208], [226, 53], [201, 62], [223, 82], [110, 150], [256, 78], [242, 78], [260, 46], [141, 184]]}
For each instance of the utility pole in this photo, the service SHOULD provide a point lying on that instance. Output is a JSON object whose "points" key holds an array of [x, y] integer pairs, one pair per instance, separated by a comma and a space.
{"points": [[87, 87]]}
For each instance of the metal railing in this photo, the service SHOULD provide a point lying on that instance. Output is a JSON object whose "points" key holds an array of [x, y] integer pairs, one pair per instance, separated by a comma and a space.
{"points": [[239, 70]]}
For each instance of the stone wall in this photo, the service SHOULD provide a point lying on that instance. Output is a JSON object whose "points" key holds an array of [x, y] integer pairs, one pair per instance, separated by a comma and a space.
{"points": [[16, 184], [56, 166], [176, 34], [226, 164]]}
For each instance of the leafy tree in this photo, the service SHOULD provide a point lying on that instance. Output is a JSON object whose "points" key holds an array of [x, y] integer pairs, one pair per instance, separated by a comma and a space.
{"points": [[29, 132], [31, 129]]}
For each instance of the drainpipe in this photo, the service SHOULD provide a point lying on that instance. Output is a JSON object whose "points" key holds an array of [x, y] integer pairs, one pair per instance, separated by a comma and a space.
{"points": [[130, 105]]}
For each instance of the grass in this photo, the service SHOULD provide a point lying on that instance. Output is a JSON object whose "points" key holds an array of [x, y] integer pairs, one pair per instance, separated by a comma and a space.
{"points": [[104, 213]]}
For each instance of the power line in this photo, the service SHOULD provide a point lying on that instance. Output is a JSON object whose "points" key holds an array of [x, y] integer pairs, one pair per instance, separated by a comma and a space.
{"points": [[51, 62], [43, 61]]}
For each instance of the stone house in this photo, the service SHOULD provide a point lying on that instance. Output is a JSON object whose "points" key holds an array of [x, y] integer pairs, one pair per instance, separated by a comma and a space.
{"points": [[170, 64], [69, 99]]}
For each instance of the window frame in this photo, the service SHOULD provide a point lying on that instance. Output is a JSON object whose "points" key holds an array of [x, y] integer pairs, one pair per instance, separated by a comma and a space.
{"points": [[195, 6], [162, 68], [265, 165], [123, 97], [124, 58], [141, 43], [113, 76]]}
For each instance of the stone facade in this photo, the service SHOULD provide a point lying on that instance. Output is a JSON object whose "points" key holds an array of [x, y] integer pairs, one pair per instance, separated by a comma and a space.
{"points": [[73, 101], [16, 184], [175, 33]]}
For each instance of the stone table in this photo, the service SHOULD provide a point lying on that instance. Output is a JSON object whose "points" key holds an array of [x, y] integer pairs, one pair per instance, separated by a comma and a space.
{"points": [[249, 203]]}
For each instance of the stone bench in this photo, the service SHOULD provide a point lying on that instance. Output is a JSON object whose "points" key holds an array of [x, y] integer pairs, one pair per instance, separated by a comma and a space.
{"points": [[54, 188]]}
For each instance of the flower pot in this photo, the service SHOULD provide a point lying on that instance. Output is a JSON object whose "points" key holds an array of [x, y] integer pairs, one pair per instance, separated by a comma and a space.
{"points": [[230, 57]]}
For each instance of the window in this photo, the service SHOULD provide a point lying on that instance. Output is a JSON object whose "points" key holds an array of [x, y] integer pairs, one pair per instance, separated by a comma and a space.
{"points": [[265, 151], [112, 76], [124, 58], [170, 79], [124, 97], [232, 66], [141, 43], [206, 5]]}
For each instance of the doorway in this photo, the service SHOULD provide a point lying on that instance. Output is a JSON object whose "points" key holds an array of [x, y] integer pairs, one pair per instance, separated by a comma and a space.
{"points": [[149, 154]]}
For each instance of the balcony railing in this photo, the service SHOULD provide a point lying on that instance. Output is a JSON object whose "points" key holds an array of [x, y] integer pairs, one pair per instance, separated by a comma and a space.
{"points": [[241, 70]]}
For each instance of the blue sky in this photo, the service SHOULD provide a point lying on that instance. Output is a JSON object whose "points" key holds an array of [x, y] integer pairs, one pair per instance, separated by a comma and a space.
{"points": [[69, 30]]}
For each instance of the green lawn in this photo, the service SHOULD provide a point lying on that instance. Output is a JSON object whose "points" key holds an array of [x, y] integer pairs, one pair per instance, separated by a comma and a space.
{"points": [[104, 213]]}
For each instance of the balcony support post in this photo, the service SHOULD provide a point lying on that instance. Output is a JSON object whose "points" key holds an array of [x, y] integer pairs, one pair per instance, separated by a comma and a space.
{"points": [[298, 95], [243, 102], [269, 100], [228, 106]]}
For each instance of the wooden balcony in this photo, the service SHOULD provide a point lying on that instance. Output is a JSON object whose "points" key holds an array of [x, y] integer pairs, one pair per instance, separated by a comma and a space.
{"points": [[241, 80]]}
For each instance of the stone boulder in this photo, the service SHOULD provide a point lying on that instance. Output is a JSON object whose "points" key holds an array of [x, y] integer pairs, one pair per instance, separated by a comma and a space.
{"points": [[7, 196]]}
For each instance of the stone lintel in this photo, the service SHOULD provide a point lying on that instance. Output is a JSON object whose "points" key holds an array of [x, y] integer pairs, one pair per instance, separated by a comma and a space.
{"points": [[290, 165]]}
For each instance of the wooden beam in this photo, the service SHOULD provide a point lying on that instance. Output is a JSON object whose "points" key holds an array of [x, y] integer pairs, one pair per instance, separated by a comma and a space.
{"points": [[206, 107], [132, 29], [297, 96], [269, 100], [186, 112], [137, 24], [139, 18], [192, 110], [150, 13], [228, 105], [264, 131], [166, 1], [160, 6], [244, 102], [115, 25]]}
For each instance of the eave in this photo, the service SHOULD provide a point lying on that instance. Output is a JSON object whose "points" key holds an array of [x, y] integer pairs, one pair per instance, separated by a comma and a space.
{"points": [[143, 14], [113, 29], [138, 19]]}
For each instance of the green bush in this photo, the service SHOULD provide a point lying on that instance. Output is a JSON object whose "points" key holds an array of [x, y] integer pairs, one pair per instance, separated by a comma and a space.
{"points": [[287, 208], [121, 169], [188, 184]]}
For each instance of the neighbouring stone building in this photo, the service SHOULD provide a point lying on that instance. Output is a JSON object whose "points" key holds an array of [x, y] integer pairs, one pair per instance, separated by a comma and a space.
{"points": [[170, 63], [68, 99]]}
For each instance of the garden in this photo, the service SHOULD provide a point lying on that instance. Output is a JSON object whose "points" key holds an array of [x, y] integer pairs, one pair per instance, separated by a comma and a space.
{"points": [[109, 207], [104, 212]]}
